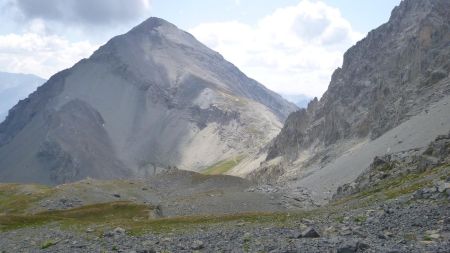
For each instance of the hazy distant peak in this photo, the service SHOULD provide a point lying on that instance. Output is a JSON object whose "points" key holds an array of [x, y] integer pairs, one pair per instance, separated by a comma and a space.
{"points": [[15, 86]]}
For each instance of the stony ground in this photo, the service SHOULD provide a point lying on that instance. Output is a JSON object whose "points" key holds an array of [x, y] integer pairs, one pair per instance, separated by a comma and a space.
{"points": [[397, 226]]}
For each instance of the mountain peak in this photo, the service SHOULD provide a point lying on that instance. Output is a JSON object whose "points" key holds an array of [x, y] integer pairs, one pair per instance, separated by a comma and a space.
{"points": [[411, 8], [153, 97], [152, 23], [161, 31]]}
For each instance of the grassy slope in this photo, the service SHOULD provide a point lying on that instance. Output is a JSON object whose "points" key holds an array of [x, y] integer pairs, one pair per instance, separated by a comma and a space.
{"points": [[137, 218], [16, 198], [133, 217], [392, 188], [222, 167]]}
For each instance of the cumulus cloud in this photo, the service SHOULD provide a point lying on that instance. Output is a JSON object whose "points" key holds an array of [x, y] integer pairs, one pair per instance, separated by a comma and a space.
{"points": [[50, 35], [294, 50], [90, 12], [40, 54]]}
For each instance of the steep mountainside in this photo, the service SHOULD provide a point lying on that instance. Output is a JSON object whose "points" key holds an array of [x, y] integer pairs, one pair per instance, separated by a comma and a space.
{"points": [[396, 72], [153, 97], [14, 87]]}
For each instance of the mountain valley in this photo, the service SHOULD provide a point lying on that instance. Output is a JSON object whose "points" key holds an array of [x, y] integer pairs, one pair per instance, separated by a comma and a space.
{"points": [[156, 143]]}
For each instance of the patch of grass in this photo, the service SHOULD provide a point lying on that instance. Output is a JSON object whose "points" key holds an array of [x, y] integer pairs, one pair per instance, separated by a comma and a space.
{"points": [[192, 222], [10, 222], [135, 219], [48, 244], [246, 246], [360, 219], [390, 188], [105, 213], [222, 166], [339, 219], [399, 191], [16, 198], [427, 238], [410, 237]]}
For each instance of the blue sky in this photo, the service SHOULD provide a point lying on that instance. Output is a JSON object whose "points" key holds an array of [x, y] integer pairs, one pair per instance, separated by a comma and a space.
{"points": [[364, 15], [291, 46]]}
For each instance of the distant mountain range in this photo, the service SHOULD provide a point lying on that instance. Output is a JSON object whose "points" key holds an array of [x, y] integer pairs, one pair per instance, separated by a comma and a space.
{"points": [[300, 100], [14, 87]]}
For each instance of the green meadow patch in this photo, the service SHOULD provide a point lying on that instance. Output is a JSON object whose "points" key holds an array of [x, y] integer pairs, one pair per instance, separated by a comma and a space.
{"points": [[223, 166]]}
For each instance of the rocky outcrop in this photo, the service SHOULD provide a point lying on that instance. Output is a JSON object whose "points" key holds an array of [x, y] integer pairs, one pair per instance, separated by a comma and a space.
{"points": [[153, 97], [391, 75], [401, 164]]}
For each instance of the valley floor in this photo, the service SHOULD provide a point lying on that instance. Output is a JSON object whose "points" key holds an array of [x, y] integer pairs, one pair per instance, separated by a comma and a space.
{"points": [[397, 226], [398, 214]]}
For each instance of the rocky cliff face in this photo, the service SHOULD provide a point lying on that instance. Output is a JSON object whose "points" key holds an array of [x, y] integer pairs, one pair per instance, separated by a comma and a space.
{"points": [[394, 73], [150, 98]]}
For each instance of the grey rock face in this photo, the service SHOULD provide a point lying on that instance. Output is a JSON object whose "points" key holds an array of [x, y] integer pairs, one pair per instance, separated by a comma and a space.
{"points": [[151, 98], [394, 73]]}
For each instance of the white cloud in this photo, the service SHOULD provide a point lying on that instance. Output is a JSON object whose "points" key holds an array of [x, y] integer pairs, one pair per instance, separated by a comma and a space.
{"points": [[40, 54], [294, 50], [47, 36]]}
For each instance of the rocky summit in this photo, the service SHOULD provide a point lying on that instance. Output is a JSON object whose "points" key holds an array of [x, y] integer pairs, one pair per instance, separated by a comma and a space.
{"points": [[151, 98], [103, 150]]}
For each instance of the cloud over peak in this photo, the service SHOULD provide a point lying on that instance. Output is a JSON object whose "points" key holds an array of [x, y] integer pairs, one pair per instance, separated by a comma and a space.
{"points": [[293, 50], [40, 54], [51, 35]]}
